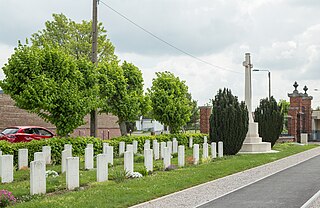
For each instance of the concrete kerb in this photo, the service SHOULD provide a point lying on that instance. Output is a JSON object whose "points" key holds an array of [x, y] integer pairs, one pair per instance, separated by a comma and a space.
{"points": [[192, 195]]}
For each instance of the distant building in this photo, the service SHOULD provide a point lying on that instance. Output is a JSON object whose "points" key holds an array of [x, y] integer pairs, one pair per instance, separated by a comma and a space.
{"points": [[14, 116], [148, 124]]}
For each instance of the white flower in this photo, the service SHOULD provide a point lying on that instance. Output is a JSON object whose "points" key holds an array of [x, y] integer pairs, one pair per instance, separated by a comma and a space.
{"points": [[135, 175], [51, 173]]}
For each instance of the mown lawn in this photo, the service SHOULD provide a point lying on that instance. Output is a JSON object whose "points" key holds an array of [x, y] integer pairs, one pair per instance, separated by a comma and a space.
{"points": [[134, 191]]}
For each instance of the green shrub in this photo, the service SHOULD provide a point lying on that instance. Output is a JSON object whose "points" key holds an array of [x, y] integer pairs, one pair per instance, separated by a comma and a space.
{"points": [[79, 144], [228, 121], [270, 119]]}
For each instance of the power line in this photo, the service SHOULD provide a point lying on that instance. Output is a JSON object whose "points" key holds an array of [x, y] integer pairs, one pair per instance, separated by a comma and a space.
{"points": [[166, 42]]}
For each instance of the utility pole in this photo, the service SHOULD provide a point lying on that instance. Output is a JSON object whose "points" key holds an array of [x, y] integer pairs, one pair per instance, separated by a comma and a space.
{"points": [[93, 113]]}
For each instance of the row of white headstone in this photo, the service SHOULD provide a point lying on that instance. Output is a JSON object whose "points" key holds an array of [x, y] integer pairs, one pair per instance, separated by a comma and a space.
{"points": [[70, 164]]}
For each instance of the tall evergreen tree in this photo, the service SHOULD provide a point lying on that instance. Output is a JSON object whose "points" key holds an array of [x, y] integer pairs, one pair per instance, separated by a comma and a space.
{"points": [[228, 121], [270, 119]]}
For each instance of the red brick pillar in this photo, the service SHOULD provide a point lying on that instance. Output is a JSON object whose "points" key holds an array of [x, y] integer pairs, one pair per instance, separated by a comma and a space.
{"points": [[205, 112], [299, 113]]}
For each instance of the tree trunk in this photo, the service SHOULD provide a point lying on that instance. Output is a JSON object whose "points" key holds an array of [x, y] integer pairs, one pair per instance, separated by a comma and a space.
{"points": [[123, 128]]}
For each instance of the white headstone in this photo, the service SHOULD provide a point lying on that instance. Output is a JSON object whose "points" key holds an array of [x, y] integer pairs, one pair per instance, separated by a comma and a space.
{"points": [[181, 156], [128, 162], [109, 153], [196, 154], [174, 139], [153, 143], [146, 145], [47, 154], [38, 156], [130, 147], [90, 146], [190, 142], [167, 158], [121, 148], [6, 168], [169, 145], [205, 150], [304, 139], [148, 142], [156, 151], [102, 168], [65, 154], [162, 146], [37, 177], [135, 146], [213, 150], [68, 146], [72, 173], [104, 147], [174, 146], [148, 159], [22, 158], [88, 158], [205, 139], [220, 149]]}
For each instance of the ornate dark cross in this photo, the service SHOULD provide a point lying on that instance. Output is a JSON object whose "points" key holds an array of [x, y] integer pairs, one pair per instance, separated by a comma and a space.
{"points": [[295, 85], [305, 89]]}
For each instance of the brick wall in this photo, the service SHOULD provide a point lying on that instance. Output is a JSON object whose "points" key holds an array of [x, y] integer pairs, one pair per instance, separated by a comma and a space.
{"points": [[205, 112], [10, 115]]}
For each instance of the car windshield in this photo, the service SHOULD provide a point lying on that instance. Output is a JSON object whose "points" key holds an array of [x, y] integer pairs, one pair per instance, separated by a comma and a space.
{"points": [[10, 131]]}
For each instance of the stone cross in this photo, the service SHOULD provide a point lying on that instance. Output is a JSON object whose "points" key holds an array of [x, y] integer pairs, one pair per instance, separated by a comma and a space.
{"points": [[37, 177], [22, 158], [181, 156], [248, 89], [72, 173], [102, 168]]}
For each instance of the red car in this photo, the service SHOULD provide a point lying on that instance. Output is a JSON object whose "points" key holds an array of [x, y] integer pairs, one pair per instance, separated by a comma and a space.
{"points": [[25, 133]]}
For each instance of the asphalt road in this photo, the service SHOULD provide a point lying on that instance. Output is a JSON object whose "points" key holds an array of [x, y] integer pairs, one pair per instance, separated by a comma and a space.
{"points": [[289, 188]]}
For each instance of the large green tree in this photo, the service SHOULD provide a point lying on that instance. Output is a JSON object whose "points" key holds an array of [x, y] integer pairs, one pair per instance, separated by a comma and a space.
{"points": [[51, 83], [195, 114], [123, 96], [75, 38], [169, 100]]}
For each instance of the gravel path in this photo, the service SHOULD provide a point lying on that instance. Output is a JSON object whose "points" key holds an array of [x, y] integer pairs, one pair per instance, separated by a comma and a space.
{"points": [[206, 192]]}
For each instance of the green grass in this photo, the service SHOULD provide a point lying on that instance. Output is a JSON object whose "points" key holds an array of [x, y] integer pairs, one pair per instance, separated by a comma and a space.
{"points": [[134, 191]]}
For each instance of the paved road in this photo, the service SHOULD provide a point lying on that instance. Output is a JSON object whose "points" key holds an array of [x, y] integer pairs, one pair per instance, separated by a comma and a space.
{"points": [[289, 188]]}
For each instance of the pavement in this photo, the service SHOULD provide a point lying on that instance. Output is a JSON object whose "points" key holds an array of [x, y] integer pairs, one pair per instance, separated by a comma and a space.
{"points": [[289, 182]]}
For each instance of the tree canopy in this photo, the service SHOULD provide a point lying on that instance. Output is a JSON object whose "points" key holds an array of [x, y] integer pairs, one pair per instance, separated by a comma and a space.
{"points": [[51, 83], [169, 100]]}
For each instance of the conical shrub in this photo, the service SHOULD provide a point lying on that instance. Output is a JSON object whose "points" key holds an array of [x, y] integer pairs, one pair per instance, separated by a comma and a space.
{"points": [[270, 120], [228, 121]]}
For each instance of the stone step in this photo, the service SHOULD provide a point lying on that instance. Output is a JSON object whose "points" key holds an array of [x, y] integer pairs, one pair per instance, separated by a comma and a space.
{"points": [[256, 147]]}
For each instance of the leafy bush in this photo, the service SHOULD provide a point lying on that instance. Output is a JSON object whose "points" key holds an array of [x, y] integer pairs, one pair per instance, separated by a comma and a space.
{"points": [[6, 198], [228, 121], [270, 119], [79, 144]]}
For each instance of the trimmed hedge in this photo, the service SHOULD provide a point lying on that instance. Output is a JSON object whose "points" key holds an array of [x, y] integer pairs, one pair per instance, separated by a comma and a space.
{"points": [[79, 144]]}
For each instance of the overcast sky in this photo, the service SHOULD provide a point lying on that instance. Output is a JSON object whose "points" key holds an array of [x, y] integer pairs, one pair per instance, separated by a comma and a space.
{"points": [[281, 35]]}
